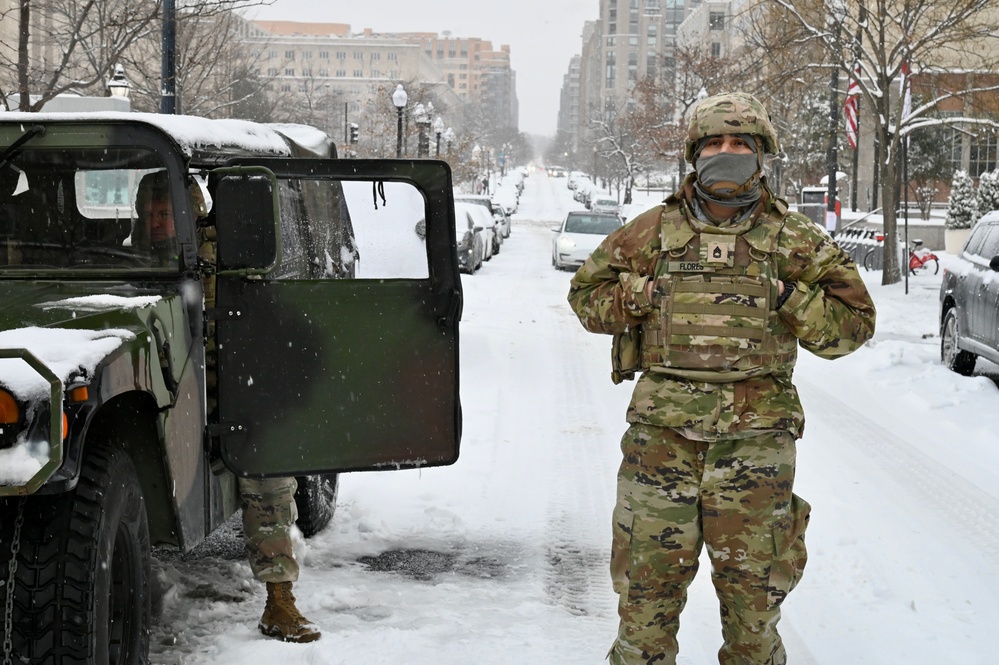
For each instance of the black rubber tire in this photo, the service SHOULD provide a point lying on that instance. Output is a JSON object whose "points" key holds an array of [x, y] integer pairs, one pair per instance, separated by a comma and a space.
{"points": [[869, 259], [81, 593], [316, 502], [957, 360]]}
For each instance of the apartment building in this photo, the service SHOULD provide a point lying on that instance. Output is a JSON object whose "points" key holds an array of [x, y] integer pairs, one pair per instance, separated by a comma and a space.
{"points": [[362, 70], [630, 40], [361, 66]]}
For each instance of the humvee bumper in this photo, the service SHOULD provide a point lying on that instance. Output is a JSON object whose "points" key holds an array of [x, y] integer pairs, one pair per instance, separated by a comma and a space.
{"points": [[52, 431]]}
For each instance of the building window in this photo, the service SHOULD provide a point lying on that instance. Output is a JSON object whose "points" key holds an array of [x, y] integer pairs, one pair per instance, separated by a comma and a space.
{"points": [[323, 71], [612, 41], [272, 71], [289, 55], [272, 55], [610, 73], [289, 71], [341, 55], [393, 57], [358, 55], [286, 88], [306, 55], [632, 66], [652, 36], [376, 56], [358, 73], [716, 21], [324, 55], [341, 73], [651, 7], [984, 149], [715, 49]]}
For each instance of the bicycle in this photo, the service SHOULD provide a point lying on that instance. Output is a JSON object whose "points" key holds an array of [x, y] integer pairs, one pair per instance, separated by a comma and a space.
{"points": [[920, 260]]}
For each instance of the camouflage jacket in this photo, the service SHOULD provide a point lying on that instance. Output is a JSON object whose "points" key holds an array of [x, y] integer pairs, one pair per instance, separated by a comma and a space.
{"points": [[830, 313]]}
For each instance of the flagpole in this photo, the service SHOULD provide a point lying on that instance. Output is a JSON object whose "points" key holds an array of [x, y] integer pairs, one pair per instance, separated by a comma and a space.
{"points": [[857, 47], [856, 163]]}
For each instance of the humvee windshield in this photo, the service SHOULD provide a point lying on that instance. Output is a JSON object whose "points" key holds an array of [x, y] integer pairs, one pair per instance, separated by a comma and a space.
{"points": [[75, 209]]}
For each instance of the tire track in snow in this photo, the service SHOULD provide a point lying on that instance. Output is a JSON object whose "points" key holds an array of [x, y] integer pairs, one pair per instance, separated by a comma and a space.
{"points": [[576, 535], [963, 505]]}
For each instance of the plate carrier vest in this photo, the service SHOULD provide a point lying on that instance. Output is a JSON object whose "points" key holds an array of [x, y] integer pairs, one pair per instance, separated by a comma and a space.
{"points": [[715, 288]]}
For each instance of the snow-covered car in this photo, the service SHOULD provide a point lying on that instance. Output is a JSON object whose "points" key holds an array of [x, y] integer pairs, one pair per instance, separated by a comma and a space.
{"points": [[969, 300], [606, 205], [490, 230], [507, 198], [501, 221], [578, 235], [469, 236]]}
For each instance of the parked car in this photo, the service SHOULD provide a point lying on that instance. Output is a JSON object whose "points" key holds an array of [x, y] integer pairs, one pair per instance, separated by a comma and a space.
{"points": [[969, 300], [501, 221], [471, 250], [578, 235], [605, 205], [490, 231]]}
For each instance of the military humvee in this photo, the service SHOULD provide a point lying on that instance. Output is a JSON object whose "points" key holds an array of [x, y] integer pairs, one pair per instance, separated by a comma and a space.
{"points": [[334, 330]]}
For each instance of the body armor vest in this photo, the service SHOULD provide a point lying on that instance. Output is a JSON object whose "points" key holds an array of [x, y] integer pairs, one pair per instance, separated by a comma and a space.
{"points": [[717, 287]]}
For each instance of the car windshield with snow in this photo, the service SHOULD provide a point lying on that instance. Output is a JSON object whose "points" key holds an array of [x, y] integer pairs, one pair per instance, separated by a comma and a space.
{"points": [[578, 235], [329, 325]]}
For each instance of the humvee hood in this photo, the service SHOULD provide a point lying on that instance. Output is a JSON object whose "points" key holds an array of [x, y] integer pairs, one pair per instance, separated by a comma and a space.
{"points": [[69, 328]]}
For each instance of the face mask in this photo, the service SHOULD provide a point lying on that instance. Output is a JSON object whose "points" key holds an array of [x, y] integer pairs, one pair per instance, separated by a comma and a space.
{"points": [[723, 173]]}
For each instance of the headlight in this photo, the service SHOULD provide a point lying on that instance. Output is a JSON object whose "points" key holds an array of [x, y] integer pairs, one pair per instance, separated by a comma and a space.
{"points": [[565, 244]]}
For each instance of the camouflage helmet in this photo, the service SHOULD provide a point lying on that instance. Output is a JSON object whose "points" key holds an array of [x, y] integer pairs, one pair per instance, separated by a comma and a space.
{"points": [[730, 113]]}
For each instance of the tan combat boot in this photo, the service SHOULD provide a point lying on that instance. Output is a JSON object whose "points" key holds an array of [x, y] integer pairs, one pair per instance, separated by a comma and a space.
{"points": [[282, 619]]}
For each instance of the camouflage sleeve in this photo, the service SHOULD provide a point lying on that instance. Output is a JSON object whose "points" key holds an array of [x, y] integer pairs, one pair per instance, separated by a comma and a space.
{"points": [[830, 312], [608, 292]]}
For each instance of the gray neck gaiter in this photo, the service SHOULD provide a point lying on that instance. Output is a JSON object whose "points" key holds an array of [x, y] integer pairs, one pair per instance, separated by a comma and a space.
{"points": [[718, 176]]}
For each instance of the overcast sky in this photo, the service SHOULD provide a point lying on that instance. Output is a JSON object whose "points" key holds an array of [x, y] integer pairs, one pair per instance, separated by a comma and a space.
{"points": [[542, 34]]}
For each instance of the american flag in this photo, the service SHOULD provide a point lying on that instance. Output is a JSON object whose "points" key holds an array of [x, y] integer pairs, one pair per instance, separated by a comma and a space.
{"points": [[851, 107]]}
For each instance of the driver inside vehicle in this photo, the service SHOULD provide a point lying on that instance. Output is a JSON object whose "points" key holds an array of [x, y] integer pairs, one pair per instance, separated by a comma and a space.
{"points": [[153, 232]]}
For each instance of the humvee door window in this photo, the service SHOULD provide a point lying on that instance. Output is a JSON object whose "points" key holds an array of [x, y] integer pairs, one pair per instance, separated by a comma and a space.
{"points": [[75, 209], [388, 219]]}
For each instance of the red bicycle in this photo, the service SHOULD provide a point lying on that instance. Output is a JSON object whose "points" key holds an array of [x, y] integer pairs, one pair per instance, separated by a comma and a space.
{"points": [[920, 259]]}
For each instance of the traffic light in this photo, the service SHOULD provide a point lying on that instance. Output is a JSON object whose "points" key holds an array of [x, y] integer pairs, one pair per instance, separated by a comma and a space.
{"points": [[353, 132]]}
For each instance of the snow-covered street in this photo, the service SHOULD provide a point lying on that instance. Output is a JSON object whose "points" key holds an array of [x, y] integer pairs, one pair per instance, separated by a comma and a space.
{"points": [[502, 558]]}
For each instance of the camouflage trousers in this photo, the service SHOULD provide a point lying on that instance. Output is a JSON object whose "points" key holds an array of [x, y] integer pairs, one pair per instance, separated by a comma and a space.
{"points": [[734, 495], [269, 513]]}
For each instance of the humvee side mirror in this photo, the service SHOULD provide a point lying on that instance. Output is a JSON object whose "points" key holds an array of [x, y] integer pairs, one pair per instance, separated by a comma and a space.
{"points": [[246, 222]]}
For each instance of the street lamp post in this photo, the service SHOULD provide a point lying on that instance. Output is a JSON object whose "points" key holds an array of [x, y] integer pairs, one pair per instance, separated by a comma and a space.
{"points": [[438, 130], [118, 85], [399, 99]]}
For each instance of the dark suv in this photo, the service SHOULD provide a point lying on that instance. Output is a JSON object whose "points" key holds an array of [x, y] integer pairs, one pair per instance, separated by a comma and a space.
{"points": [[131, 398], [969, 300]]}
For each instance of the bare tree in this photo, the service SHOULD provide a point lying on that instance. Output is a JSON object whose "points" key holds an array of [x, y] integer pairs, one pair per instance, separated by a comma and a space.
{"points": [[75, 44], [882, 37]]}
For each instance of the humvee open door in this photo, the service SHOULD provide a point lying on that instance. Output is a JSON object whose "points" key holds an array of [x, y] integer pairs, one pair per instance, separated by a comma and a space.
{"points": [[354, 373]]}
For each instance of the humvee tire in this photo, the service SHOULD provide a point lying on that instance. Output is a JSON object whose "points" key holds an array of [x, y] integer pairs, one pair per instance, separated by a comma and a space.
{"points": [[316, 501], [95, 537]]}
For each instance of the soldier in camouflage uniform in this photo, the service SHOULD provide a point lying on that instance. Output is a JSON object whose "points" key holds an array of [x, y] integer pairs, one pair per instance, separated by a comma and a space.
{"points": [[269, 510], [707, 296]]}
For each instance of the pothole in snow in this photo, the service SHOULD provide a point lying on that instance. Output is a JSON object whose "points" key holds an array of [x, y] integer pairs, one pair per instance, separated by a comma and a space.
{"points": [[426, 565]]}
